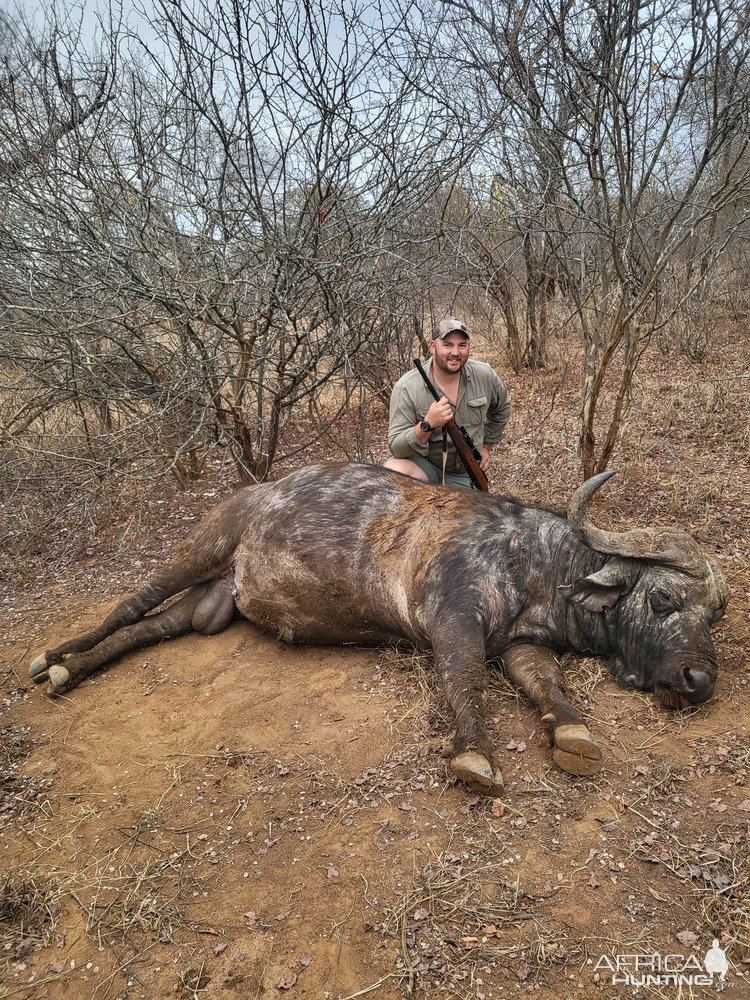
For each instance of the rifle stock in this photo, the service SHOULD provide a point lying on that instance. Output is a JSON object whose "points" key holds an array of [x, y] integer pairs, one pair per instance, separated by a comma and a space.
{"points": [[472, 466], [466, 451]]}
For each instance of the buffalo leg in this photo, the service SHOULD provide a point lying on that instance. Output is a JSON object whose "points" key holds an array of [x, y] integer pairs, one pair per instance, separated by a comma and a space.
{"points": [[206, 603], [127, 612], [535, 671], [461, 665], [205, 556]]}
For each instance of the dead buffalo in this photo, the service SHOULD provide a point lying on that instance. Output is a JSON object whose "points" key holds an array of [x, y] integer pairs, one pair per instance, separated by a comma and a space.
{"points": [[358, 554]]}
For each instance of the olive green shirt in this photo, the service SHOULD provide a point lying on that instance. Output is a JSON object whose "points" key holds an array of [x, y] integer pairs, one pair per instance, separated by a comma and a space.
{"points": [[482, 409]]}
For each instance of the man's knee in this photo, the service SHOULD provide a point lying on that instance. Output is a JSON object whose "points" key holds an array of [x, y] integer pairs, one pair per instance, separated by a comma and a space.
{"points": [[406, 467]]}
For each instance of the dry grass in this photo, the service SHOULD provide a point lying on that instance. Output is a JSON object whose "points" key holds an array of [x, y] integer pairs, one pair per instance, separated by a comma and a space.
{"points": [[20, 795], [463, 919], [137, 900], [29, 907], [729, 754], [717, 874], [133, 894], [124, 899], [581, 676]]}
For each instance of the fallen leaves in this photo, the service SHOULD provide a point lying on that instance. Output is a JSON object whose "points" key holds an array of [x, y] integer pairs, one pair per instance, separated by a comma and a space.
{"points": [[290, 978], [270, 842], [469, 803], [688, 938]]}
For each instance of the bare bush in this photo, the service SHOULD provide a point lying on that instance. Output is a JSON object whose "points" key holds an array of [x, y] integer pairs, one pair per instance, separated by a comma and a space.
{"points": [[620, 142], [221, 231]]}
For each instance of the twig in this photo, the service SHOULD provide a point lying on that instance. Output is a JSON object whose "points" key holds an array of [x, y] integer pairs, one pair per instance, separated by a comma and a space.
{"points": [[645, 819], [123, 965], [28, 987], [369, 989], [86, 909], [410, 972]]}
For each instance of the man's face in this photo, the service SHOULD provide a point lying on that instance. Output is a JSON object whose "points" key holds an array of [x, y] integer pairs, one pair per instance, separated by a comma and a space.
{"points": [[451, 353]]}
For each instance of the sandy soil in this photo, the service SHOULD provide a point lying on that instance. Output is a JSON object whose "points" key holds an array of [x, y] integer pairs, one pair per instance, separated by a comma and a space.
{"points": [[223, 817]]}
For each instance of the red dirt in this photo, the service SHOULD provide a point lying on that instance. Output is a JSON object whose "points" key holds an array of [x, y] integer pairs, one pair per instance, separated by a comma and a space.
{"points": [[222, 817]]}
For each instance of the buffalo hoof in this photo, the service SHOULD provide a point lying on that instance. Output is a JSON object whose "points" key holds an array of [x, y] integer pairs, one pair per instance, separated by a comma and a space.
{"points": [[59, 680], [576, 750], [38, 670], [476, 770]]}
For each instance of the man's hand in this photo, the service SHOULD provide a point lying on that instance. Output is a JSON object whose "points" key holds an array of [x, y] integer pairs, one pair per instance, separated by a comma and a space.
{"points": [[485, 463], [439, 413]]}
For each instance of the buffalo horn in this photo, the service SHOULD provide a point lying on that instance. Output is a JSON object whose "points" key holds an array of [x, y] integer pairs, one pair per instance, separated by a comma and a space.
{"points": [[666, 546]]}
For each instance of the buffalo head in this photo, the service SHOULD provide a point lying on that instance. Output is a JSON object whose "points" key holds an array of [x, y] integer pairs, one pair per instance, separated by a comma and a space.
{"points": [[658, 597]]}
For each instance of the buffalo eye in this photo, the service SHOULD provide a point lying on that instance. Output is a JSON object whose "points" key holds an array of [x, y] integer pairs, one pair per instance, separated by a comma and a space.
{"points": [[662, 602], [719, 613]]}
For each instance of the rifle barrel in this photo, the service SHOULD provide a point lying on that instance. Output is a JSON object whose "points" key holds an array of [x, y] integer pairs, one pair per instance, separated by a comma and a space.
{"points": [[426, 379], [468, 453]]}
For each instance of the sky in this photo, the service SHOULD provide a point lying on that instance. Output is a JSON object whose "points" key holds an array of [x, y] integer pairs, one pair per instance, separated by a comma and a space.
{"points": [[89, 13]]}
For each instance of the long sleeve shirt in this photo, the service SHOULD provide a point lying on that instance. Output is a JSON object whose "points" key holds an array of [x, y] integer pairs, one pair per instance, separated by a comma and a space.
{"points": [[482, 408]]}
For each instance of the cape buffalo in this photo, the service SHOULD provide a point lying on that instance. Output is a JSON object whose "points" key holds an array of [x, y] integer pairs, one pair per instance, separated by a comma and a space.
{"points": [[340, 553]]}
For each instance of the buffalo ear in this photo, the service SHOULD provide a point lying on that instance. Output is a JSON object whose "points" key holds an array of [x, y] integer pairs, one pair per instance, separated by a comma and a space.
{"points": [[598, 591]]}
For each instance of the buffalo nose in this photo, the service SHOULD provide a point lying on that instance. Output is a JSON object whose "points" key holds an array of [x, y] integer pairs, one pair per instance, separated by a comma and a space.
{"points": [[698, 685]]}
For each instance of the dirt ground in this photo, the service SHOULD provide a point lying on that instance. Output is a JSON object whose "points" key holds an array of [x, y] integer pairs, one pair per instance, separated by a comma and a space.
{"points": [[224, 817]]}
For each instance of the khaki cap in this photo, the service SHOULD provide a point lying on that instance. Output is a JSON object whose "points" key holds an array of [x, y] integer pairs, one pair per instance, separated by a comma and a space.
{"points": [[449, 325]]}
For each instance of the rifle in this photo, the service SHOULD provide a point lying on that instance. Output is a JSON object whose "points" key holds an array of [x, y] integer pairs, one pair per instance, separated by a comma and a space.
{"points": [[462, 442]]}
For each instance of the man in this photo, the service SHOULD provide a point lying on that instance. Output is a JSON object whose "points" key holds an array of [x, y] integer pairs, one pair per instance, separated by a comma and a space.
{"points": [[472, 393]]}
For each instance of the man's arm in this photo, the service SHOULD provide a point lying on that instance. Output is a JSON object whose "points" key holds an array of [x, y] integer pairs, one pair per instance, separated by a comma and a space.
{"points": [[498, 413], [405, 436]]}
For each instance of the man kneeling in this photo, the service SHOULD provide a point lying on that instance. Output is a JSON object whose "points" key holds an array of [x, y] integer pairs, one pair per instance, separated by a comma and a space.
{"points": [[473, 394]]}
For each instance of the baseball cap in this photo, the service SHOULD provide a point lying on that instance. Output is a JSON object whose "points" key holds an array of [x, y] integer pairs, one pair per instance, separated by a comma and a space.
{"points": [[449, 325]]}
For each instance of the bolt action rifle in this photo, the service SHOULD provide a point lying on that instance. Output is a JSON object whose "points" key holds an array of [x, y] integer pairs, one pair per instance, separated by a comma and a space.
{"points": [[462, 442]]}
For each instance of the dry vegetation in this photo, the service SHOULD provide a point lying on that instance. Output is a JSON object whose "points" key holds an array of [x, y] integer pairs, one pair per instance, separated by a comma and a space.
{"points": [[221, 817], [200, 289]]}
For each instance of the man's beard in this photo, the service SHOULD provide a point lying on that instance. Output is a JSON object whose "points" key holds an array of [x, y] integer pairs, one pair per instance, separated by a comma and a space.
{"points": [[443, 366]]}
